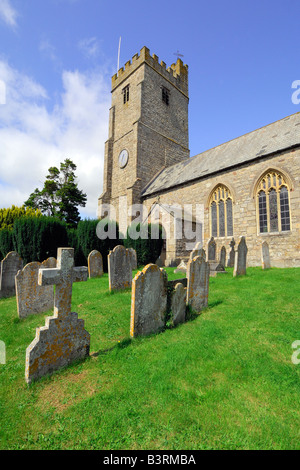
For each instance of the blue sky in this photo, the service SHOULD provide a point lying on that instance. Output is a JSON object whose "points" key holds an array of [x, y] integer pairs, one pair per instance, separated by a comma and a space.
{"points": [[57, 58]]}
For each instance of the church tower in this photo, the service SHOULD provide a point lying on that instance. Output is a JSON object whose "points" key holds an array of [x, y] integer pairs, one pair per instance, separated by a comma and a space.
{"points": [[148, 126]]}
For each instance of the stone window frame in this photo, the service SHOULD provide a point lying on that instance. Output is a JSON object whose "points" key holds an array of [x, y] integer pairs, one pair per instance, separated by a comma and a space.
{"points": [[272, 182], [126, 94], [218, 199], [165, 95]]}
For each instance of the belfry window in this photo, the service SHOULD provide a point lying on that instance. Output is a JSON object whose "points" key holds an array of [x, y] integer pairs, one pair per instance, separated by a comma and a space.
{"points": [[273, 203], [165, 95], [125, 92], [221, 212]]}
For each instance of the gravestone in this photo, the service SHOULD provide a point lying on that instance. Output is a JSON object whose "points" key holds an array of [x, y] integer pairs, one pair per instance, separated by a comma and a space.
{"points": [[212, 249], [198, 283], [230, 262], [178, 304], [133, 258], [63, 339], [95, 264], [197, 251], [10, 266], [119, 268], [32, 298], [181, 268], [240, 261], [223, 257], [148, 301], [265, 256]]}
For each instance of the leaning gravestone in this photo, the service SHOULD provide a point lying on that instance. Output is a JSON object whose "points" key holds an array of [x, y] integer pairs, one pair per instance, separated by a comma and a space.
{"points": [[10, 265], [230, 262], [148, 301], [63, 339], [223, 257], [240, 261], [95, 264], [178, 304], [265, 256], [198, 283], [119, 268], [32, 298], [212, 249], [133, 258]]}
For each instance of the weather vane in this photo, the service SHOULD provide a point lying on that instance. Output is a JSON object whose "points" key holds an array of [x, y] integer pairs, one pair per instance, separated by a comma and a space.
{"points": [[178, 54]]}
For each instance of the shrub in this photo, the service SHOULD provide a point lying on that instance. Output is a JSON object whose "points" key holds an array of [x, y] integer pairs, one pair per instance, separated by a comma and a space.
{"points": [[147, 249], [88, 239], [6, 242], [8, 216], [37, 238]]}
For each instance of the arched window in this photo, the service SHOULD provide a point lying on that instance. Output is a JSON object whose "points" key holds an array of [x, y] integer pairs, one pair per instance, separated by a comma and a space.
{"points": [[273, 203], [221, 213]]}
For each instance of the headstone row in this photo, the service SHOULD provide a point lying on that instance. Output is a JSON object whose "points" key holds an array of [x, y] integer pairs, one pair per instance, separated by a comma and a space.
{"points": [[154, 299]]}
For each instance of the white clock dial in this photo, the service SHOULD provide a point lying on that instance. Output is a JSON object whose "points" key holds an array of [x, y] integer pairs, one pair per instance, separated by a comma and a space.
{"points": [[123, 158]]}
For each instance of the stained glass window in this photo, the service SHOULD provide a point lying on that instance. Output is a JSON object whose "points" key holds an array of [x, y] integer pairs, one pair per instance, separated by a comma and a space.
{"points": [[221, 211], [284, 209], [273, 203]]}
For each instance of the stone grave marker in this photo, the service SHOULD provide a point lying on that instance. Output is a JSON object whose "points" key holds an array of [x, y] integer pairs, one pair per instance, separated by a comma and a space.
{"points": [[265, 256], [223, 257], [119, 268], [197, 251], [181, 268], [198, 283], [148, 301], [133, 258], [95, 264], [10, 266], [178, 304], [32, 298], [240, 261], [231, 257], [63, 339], [212, 249]]}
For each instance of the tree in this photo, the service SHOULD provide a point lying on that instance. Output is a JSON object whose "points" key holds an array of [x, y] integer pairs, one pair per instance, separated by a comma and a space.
{"points": [[9, 215], [60, 196]]}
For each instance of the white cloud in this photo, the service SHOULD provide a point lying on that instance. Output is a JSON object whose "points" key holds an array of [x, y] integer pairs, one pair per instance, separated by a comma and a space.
{"points": [[89, 47], [8, 13], [33, 138]]}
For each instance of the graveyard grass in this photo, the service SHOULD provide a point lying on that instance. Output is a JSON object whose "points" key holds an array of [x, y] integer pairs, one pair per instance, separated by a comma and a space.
{"points": [[223, 380]]}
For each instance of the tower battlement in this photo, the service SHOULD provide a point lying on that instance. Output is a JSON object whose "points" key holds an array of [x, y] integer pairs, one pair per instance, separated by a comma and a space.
{"points": [[177, 73]]}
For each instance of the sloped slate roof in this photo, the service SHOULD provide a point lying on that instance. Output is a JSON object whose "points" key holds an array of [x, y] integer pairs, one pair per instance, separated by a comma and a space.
{"points": [[272, 138]]}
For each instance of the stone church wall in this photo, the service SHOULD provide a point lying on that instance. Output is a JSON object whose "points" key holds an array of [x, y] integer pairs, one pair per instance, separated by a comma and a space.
{"points": [[284, 246]]}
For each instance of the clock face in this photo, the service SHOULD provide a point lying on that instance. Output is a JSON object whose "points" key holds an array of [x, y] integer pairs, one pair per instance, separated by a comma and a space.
{"points": [[123, 158]]}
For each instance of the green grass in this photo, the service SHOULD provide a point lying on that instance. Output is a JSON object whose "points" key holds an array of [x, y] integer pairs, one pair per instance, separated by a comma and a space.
{"points": [[224, 380]]}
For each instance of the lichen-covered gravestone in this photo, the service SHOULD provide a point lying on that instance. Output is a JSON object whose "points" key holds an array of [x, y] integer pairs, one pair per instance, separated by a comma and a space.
{"points": [[181, 268], [212, 249], [32, 298], [133, 258], [265, 256], [95, 264], [240, 261], [197, 251], [223, 257], [148, 301], [230, 262], [10, 265], [178, 304], [198, 283], [63, 339], [119, 268]]}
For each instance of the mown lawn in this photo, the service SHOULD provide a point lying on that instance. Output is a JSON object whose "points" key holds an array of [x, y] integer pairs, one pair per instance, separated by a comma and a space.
{"points": [[224, 380]]}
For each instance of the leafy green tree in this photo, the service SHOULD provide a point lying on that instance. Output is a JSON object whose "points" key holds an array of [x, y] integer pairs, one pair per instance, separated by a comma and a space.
{"points": [[60, 196]]}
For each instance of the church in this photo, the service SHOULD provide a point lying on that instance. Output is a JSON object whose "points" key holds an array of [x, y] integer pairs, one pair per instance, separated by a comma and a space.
{"points": [[249, 186]]}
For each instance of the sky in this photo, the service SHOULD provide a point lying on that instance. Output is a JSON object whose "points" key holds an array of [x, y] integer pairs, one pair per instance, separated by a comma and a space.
{"points": [[57, 58]]}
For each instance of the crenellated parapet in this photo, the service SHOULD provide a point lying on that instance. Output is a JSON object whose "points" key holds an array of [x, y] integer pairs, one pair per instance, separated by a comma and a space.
{"points": [[177, 73]]}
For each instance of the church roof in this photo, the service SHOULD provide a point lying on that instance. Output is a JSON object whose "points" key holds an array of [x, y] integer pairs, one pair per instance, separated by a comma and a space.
{"points": [[267, 140]]}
